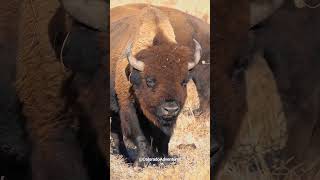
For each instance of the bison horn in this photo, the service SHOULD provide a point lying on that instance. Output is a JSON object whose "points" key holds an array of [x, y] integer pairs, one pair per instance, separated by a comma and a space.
{"points": [[91, 13], [197, 55], [139, 65]]}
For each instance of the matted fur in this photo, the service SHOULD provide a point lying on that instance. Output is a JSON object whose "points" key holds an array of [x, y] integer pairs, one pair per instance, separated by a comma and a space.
{"points": [[65, 111], [152, 21], [37, 63], [230, 41], [169, 67]]}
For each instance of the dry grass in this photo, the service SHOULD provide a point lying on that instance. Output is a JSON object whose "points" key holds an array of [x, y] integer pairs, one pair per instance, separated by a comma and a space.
{"points": [[194, 162], [263, 131]]}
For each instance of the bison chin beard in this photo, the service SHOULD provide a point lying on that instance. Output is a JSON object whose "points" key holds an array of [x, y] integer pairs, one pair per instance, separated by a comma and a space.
{"points": [[167, 125], [151, 112]]}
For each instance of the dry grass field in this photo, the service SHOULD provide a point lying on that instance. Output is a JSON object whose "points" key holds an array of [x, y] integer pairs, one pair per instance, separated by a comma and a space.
{"points": [[263, 131], [190, 142]]}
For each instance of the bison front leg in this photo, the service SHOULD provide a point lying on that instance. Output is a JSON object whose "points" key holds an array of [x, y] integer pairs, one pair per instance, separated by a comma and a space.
{"points": [[164, 146], [131, 129]]}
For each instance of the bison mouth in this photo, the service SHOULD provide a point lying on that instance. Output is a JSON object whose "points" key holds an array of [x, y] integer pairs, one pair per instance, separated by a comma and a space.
{"points": [[167, 124], [167, 120]]}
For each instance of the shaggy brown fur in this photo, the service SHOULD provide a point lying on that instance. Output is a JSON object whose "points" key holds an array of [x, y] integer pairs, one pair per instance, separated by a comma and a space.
{"points": [[13, 143], [165, 60], [43, 104], [168, 65], [230, 42], [64, 111], [293, 57], [125, 19]]}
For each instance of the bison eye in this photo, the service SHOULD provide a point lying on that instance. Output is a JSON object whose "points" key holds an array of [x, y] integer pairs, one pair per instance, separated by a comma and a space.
{"points": [[150, 82], [184, 83]]}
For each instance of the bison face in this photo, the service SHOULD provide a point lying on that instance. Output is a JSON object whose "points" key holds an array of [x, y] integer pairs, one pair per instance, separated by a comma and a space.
{"points": [[160, 87]]}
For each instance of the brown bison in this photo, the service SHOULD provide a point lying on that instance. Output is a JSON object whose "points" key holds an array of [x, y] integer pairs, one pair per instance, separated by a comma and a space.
{"points": [[13, 144], [230, 49], [290, 45], [285, 33], [152, 57], [63, 108]]}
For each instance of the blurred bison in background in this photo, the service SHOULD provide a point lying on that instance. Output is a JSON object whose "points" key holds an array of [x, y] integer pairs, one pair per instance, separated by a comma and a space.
{"points": [[58, 116], [154, 51], [231, 50], [290, 44], [286, 34], [13, 142]]}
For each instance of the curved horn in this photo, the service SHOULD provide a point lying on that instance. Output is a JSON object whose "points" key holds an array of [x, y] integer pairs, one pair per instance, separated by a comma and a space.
{"points": [[139, 65], [197, 55], [92, 13]]}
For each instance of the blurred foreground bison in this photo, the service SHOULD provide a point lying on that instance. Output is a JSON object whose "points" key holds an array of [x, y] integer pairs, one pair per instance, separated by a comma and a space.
{"points": [[154, 52], [284, 31], [293, 56], [57, 116]]}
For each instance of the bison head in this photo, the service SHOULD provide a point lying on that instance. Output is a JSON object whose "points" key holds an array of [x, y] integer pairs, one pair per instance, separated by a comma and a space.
{"points": [[159, 74]]}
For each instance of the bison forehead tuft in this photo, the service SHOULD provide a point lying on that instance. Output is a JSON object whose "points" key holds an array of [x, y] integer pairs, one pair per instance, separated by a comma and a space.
{"points": [[169, 57]]}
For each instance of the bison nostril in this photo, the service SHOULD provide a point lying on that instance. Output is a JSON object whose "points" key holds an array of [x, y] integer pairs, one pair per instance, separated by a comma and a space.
{"points": [[171, 108]]}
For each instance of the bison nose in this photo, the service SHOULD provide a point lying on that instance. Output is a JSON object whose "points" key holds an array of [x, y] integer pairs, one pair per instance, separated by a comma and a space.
{"points": [[170, 108]]}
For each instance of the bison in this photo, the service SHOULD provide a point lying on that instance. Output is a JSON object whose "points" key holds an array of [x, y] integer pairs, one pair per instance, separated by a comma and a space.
{"points": [[241, 29], [293, 58], [57, 84], [13, 143], [230, 49], [154, 51]]}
